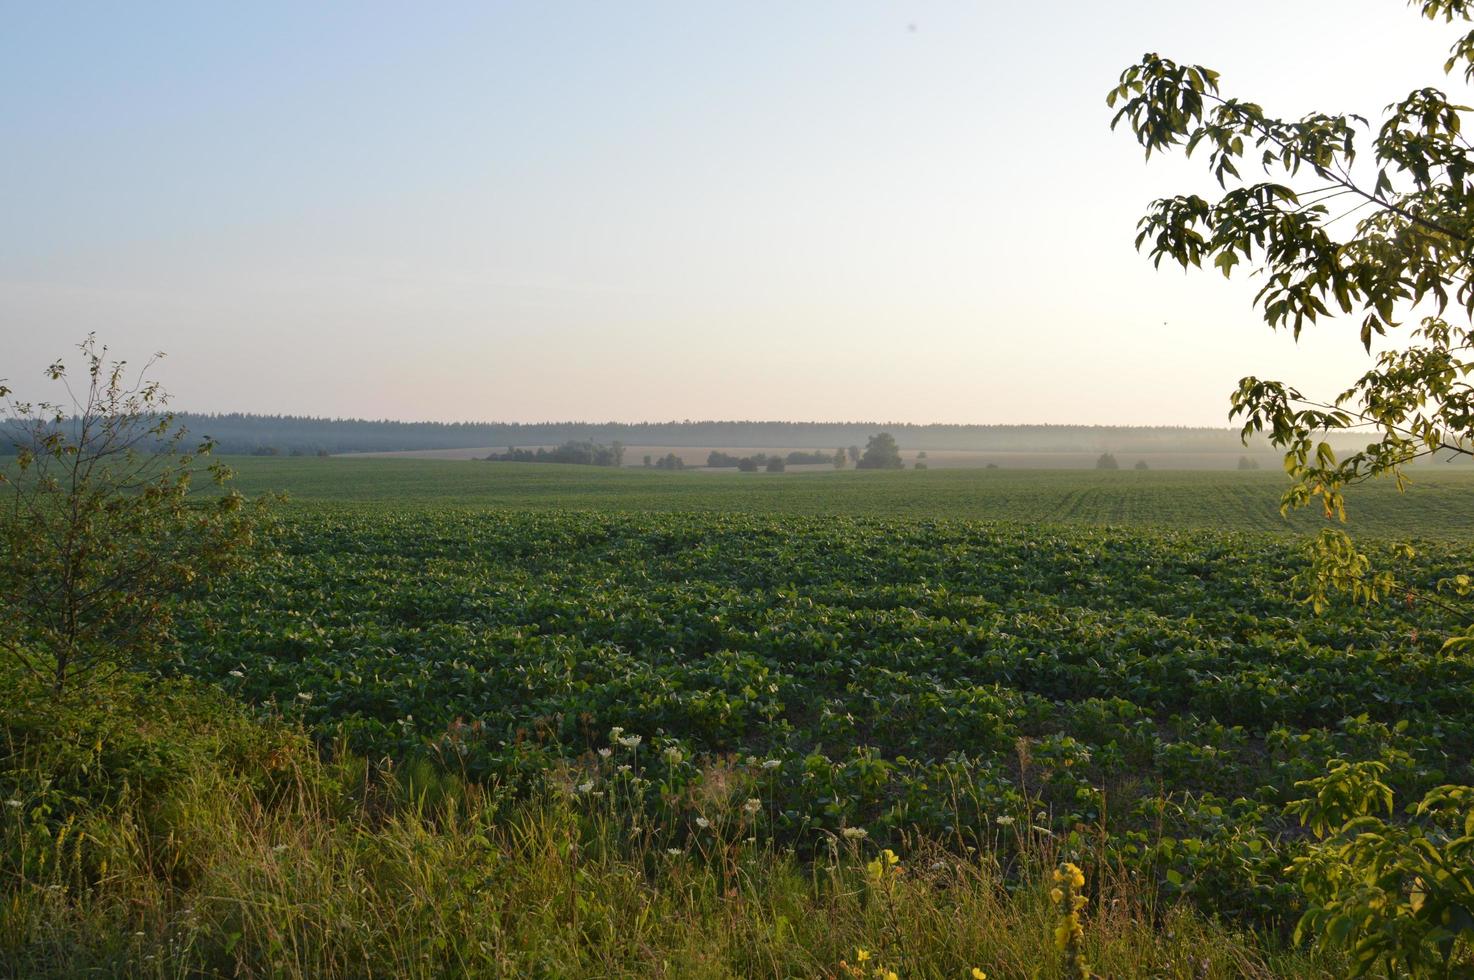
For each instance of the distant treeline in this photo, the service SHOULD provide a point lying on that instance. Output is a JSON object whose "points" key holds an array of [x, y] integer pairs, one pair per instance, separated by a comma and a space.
{"points": [[290, 434], [721, 460]]}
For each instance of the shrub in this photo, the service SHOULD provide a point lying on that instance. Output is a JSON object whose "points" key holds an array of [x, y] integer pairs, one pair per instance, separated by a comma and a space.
{"points": [[101, 534]]}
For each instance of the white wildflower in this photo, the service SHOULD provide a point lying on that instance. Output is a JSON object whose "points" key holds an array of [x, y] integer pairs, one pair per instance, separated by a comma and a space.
{"points": [[703, 823], [855, 833]]}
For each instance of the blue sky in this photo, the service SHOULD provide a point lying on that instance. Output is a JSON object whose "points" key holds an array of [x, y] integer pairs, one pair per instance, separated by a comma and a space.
{"points": [[832, 210]]}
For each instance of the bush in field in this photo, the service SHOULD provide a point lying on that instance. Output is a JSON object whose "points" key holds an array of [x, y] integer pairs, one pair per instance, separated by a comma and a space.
{"points": [[1107, 462], [721, 460], [670, 461], [1245, 463], [776, 464], [101, 533], [838, 459], [1141, 465], [881, 453], [747, 465]]}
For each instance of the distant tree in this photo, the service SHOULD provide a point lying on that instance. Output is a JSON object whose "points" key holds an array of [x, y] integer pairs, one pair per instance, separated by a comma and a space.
{"points": [[648, 461], [991, 466], [720, 460], [323, 454], [1245, 463], [616, 449], [920, 464], [747, 464], [801, 458], [921, 455], [1107, 462], [839, 459], [101, 534], [854, 454], [881, 453], [670, 461], [1141, 465], [776, 464]]}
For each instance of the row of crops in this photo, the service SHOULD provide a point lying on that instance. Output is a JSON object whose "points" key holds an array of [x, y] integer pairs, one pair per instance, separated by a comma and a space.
{"points": [[980, 683]]}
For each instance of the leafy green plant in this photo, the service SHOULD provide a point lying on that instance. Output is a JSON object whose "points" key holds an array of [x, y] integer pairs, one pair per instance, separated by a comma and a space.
{"points": [[100, 533], [1399, 894]]}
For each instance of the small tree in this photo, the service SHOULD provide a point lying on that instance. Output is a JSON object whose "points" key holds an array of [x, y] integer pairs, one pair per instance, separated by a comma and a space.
{"points": [[1107, 462], [839, 459], [881, 453], [776, 464], [102, 534], [1141, 465], [854, 454], [1245, 463]]}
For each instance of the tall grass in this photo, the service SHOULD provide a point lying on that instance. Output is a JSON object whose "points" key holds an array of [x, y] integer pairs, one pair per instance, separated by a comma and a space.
{"points": [[263, 860]]}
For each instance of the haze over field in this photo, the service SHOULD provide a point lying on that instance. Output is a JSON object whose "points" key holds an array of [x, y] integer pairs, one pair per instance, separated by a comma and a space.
{"points": [[831, 210]]}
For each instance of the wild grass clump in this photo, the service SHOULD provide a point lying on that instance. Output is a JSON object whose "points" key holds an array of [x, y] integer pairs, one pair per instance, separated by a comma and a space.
{"points": [[170, 835]]}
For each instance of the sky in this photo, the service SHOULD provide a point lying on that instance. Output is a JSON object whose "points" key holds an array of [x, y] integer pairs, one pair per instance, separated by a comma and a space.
{"points": [[816, 210]]}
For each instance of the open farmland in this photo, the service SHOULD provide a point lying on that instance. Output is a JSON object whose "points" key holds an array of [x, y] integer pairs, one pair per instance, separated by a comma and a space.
{"points": [[949, 677], [1436, 507]]}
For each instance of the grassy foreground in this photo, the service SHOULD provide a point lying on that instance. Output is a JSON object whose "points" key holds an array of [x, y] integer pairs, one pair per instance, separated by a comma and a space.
{"points": [[168, 834]]}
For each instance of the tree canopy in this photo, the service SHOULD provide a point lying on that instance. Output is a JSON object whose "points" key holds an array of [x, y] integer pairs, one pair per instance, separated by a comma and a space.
{"points": [[880, 453], [1406, 255]]}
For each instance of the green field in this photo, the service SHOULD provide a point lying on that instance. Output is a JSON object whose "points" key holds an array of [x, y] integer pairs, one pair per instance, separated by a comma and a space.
{"points": [[1436, 507], [461, 718], [908, 674]]}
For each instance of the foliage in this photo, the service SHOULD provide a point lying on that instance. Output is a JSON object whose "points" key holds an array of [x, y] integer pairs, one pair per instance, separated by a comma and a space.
{"points": [[101, 534], [1394, 893], [1409, 249], [775, 464], [1399, 895], [1107, 461], [880, 454]]}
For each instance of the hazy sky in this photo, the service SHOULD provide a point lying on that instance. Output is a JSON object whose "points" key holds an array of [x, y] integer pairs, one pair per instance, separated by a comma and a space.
{"points": [[618, 210]]}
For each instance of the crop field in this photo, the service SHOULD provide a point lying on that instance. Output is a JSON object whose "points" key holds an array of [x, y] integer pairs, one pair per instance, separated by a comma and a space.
{"points": [[1148, 696], [1436, 507]]}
